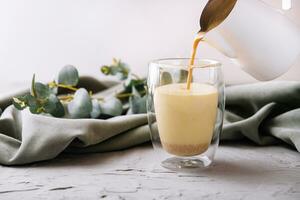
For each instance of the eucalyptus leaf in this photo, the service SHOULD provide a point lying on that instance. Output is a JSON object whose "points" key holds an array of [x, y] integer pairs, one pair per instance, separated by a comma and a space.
{"points": [[42, 90], [59, 110], [27, 100], [117, 68], [166, 78], [20, 102], [96, 110], [32, 91], [35, 109], [181, 76], [34, 105], [68, 75], [123, 70], [214, 13], [81, 105], [54, 106], [50, 104], [111, 106], [139, 84], [54, 90], [137, 103], [32, 102], [105, 69], [114, 70], [134, 92]]}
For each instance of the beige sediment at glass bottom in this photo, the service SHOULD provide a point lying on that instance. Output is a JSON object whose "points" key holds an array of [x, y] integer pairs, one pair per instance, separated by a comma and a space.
{"points": [[185, 149]]}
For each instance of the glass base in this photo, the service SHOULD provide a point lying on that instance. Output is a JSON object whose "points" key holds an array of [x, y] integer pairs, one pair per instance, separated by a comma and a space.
{"points": [[186, 164]]}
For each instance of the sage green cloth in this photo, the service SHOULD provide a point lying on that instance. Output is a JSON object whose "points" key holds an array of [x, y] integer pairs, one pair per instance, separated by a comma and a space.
{"points": [[265, 113], [27, 138]]}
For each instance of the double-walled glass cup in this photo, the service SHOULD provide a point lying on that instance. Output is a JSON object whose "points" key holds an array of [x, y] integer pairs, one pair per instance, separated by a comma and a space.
{"points": [[185, 124]]}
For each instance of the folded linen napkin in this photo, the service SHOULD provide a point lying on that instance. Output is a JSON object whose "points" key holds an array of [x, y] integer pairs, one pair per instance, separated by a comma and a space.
{"points": [[266, 113]]}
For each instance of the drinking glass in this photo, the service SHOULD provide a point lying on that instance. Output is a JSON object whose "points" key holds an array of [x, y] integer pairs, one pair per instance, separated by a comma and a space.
{"points": [[185, 124]]}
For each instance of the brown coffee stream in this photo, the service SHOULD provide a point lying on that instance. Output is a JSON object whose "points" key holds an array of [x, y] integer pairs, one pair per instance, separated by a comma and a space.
{"points": [[197, 39]]}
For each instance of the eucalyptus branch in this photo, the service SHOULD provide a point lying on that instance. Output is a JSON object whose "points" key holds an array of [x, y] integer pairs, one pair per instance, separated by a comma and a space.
{"points": [[80, 103], [33, 92], [66, 98], [124, 95], [53, 84]]}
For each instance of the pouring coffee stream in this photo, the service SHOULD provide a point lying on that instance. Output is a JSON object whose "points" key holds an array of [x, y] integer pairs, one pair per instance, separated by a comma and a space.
{"points": [[213, 14], [197, 40]]}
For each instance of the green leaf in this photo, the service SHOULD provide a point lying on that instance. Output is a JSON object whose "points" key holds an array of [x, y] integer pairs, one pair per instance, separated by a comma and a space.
{"points": [[117, 68], [32, 91], [139, 84], [137, 103], [59, 110], [34, 105], [182, 76], [111, 106], [20, 102], [105, 69], [166, 78], [114, 70], [96, 111], [68, 75], [54, 106], [41, 90], [35, 110], [123, 72], [50, 104], [81, 105], [31, 100], [134, 92], [53, 88]]}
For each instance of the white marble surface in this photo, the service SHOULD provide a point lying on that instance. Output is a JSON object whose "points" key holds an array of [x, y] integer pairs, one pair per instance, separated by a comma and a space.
{"points": [[239, 172]]}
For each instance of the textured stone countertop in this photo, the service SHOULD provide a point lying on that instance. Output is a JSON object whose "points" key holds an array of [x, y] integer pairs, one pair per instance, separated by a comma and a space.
{"points": [[240, 172]]}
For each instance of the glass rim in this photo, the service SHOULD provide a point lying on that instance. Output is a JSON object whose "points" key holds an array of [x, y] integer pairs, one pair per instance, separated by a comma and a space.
{"points": [[207, 63]]}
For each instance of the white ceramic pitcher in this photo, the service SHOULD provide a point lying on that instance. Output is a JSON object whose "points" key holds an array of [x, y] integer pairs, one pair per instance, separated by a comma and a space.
{"points": [[259, 38]]}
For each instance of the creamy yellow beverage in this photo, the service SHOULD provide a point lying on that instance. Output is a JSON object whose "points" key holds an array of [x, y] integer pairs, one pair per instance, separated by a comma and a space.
{"points": [[186, 117]]}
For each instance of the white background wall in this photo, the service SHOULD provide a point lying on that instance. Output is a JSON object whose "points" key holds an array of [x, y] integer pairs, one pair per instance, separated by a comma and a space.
{"points": [[41, 36]]}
